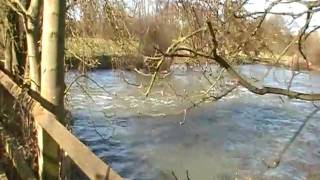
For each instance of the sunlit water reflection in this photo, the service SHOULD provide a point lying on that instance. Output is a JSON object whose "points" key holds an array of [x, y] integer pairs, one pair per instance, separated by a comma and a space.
{"points": [[228, 139]]}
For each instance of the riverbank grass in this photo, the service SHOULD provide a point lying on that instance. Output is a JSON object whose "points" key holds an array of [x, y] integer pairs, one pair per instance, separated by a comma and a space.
{"points": [[93, 47]]}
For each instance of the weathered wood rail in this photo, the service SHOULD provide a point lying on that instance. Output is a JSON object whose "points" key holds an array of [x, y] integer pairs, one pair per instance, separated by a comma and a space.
{"points": [[80, 154]]}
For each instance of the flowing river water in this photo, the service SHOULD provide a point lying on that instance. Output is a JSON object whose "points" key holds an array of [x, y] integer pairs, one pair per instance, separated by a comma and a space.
{"points": [[233, 138]]}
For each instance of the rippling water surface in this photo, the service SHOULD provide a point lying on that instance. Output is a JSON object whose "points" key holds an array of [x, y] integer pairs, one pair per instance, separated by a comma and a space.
{"points": [[234, 138]]}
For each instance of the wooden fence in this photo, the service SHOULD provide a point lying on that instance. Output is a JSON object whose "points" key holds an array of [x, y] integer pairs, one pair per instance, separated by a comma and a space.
{"points": [[79, 153]]}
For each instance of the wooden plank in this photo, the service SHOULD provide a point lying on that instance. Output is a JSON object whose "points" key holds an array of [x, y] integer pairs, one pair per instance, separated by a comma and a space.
{"points": [[86, 160], [16, 155]]}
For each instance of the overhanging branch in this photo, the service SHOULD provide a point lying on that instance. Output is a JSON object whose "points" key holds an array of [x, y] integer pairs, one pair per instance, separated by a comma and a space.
{"points": [[259, 90]]}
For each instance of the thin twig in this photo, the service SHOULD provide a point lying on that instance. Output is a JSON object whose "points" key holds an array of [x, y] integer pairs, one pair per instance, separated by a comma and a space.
{"points": [[126, 81], [187, 173], [277, 161], [174, 175], [169, 50], [86, 77], [259, 90]]}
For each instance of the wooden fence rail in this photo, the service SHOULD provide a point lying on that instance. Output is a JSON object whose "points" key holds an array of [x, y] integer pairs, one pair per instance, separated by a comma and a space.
{"points": [[80, 154]]}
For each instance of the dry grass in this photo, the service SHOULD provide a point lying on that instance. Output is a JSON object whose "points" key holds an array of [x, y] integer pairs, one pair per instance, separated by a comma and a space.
{"points": [[93, 47]]}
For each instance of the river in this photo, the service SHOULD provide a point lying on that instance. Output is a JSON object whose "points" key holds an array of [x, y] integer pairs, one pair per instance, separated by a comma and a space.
{"points": [[233, 138]]}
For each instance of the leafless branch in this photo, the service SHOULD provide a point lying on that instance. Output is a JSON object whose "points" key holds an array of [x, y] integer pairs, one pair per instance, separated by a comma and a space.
{"points": [[86, 77], [169, 51], [264, 89]]}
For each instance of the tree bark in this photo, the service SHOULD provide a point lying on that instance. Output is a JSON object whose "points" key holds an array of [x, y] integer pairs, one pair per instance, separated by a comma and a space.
{"points": [[52, 82], [14, 63], [10, 39], [32, 44], [8, 52], [8, 42]]}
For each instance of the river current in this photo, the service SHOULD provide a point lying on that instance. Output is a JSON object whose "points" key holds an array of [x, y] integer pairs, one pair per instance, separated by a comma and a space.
{"points": [[235, 137]]}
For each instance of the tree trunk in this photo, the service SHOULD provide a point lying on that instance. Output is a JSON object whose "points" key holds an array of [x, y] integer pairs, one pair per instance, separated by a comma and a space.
{"points": [[32, 44], [52, 82], [14, 63], [8, 52], [8, 39], [10, 33]]}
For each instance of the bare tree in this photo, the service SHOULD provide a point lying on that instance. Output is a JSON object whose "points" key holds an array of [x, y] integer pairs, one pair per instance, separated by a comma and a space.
{"points": [[229, 40], [33, 38], [52, 82]]}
